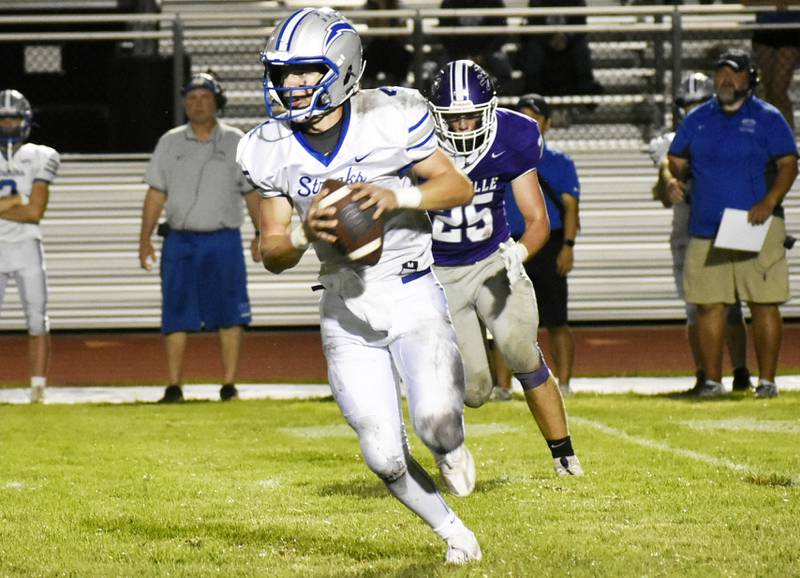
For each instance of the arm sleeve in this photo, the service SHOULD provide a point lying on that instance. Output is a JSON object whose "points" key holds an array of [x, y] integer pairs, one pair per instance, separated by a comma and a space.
{"points": [[156, 176], [568, 178], [49, 167], [421, 141], [261, 180], [781, 142], [680, 144]]}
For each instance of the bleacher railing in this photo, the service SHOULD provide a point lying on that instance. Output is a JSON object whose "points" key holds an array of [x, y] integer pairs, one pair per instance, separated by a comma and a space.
{"points": [[639, 52]]}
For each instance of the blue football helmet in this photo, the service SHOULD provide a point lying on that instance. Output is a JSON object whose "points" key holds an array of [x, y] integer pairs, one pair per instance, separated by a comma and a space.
{"points": [[463, 89], [14, 105], [312, 37]]}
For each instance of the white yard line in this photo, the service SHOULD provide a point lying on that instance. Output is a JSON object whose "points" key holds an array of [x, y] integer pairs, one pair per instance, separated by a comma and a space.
{"points": [[656, 445]]}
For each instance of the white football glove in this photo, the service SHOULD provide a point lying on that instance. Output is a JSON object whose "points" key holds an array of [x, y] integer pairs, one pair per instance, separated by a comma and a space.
{"points": [[514, 255]]}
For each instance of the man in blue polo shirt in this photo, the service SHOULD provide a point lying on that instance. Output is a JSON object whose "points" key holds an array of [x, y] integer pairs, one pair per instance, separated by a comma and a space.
{"points": [[742, 155]]}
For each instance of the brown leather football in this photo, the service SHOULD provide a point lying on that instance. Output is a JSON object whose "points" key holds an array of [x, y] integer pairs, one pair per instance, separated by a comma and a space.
{"points": [[359, 237]]}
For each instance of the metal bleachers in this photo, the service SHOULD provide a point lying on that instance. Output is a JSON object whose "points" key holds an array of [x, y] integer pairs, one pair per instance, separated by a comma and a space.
{"points": [[622, 272]]}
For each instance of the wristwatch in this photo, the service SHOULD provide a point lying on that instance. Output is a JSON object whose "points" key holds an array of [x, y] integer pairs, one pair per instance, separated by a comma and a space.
{"points": [[569, 242]]}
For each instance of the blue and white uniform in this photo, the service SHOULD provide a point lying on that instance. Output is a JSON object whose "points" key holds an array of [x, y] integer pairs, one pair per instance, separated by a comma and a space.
{"points": [[469, 265], [391, 313], [21, 252]]}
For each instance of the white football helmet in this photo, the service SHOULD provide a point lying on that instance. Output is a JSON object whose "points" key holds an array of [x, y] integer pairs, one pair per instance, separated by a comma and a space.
{"points": [[312, 36], [695, 88], [14, 105]]}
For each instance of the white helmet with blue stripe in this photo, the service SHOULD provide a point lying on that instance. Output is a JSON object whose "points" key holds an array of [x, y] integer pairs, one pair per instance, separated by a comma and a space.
{"points": [[312, 36], [14, 105]]}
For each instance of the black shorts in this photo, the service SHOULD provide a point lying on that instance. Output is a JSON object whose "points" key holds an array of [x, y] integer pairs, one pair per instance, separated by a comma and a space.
{"points": [[550, 287]]}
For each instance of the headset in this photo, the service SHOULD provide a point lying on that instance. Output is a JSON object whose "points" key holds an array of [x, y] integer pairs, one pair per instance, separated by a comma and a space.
{"points": [[741, 59], [208, 81]]}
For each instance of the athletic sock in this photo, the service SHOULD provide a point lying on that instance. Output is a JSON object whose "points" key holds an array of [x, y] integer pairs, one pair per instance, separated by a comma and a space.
{"points": [[561, 448], [452, 526], [38, 381]]}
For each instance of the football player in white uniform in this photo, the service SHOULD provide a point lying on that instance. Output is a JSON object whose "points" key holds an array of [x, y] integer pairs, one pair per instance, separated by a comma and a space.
{"points": [[392, 314], [26, 171]]}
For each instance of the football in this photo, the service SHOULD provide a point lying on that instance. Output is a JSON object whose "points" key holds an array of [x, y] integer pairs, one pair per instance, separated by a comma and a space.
{"points": [[359, 237]]}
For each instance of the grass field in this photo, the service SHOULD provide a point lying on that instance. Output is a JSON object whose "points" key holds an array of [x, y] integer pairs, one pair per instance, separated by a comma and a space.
{"points": [[278, 488]]}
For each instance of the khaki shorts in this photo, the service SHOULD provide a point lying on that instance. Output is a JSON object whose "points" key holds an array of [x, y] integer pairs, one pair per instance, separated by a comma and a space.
{"points": [[713, 275]]}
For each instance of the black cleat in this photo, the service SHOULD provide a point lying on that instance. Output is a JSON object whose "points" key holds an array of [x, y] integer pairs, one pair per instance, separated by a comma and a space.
{"points": [[699, 383], [741, 379], [228, 392], [172, 394]]}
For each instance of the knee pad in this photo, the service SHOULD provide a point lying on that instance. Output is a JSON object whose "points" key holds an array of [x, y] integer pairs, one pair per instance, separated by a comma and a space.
{"points": [[533, 379], [479, 388], [382, 451], [38, 321], [691, 313], [442, 433]]}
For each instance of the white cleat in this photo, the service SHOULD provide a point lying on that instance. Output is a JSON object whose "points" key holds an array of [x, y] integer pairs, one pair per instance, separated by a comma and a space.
{"points": [[568, 466], [463, 548], [37, 394], [458, 471]]}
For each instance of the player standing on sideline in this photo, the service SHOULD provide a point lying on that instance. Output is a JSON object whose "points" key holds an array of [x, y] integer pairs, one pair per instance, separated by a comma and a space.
{"points": [[695, 90], [194, 175], [392, 313], [480, 266], [26, 171]]}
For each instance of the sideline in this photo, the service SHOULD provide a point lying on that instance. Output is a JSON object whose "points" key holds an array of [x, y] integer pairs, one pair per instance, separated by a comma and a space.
{"points": [[151, 394]]}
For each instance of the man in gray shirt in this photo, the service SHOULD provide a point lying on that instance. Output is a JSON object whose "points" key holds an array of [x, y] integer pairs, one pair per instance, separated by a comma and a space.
{"points": [[194, 175]]}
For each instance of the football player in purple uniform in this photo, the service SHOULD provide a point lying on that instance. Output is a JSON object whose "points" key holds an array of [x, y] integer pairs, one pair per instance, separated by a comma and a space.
{"points": [[476, 260]]}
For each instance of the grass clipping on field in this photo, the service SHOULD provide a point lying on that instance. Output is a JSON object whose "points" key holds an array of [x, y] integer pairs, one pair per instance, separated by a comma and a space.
{"points": [[278, 488]]}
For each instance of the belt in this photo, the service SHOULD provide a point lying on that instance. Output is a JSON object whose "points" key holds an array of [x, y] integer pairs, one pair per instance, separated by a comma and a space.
{"points": [[403, 279], [415, 275]]}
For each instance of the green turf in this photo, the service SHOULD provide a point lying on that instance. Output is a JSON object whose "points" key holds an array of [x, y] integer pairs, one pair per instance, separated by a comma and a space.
{"points": [[277, 488]]}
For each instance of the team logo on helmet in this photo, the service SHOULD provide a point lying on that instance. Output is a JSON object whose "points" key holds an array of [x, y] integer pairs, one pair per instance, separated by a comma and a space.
{"points": [[463, 89], [314, 40]]}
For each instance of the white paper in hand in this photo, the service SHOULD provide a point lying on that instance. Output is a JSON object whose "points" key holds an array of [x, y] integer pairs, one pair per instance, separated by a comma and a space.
{"points": [[736, 233]]}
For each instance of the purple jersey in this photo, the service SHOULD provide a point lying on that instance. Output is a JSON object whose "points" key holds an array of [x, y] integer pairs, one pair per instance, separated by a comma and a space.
{"points": [[467, 234]]}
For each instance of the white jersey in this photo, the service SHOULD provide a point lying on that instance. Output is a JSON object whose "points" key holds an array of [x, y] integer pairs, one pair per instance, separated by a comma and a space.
{"points": [[31, 162], [384, 132], [659, 147]]}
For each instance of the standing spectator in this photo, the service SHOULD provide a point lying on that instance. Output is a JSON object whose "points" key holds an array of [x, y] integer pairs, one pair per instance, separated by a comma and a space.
{"points": [[548, 268], [26, 171], [478, 263], [378, 319], [741, 154], [777, 53], [559, 63], [486, 50], [696, 89], [193, 173]]}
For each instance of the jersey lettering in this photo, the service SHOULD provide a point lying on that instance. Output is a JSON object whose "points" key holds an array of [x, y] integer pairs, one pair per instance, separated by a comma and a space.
{"points": [[476, 225]]}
